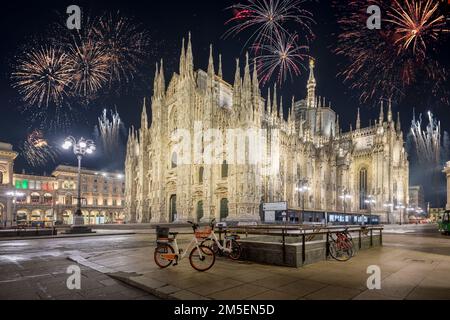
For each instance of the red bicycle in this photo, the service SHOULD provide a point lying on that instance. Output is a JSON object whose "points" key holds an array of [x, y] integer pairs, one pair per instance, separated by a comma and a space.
{"points": [[340, 245]]}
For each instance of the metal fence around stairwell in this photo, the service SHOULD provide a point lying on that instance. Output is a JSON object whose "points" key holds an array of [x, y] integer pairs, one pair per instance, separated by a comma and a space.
{"points": [[307, 233]]}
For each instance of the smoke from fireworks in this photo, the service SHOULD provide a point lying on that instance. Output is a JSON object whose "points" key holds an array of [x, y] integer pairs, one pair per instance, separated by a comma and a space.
{"points": [[283, 57], [380, 63], [36, 149], [109, 132]]}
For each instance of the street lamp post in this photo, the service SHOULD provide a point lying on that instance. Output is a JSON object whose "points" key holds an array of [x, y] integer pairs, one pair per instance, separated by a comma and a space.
{"points": [[14, 194], [370, 201], [302, 189], [80, 149]]}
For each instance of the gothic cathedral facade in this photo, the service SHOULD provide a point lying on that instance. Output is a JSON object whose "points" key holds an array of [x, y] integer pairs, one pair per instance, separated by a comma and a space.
{"points": [[307, 145]]}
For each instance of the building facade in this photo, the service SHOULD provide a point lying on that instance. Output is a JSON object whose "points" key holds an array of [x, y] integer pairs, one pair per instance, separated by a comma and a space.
{"points": [[48, 199], [7, 156], [306, 147], [447, 173], [417, 199]]}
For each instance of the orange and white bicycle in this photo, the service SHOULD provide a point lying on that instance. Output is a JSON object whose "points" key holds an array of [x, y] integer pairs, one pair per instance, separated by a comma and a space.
{"points": [[228, 246], [201, 257]]}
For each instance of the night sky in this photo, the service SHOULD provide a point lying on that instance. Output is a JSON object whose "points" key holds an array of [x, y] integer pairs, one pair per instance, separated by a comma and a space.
{"points": [[168, 22]]}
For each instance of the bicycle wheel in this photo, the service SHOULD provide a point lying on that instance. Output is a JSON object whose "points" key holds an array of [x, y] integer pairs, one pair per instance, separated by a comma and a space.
{"points": [[202, 258], [340, 252], [211, 244], [162, 249], [236, 250]]}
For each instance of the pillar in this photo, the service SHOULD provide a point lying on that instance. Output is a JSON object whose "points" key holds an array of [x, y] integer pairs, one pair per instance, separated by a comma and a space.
{"points": [[447, 173]]}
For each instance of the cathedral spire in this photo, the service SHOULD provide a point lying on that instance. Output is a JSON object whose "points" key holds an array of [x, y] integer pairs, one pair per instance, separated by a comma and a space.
{"points": [[390, 111], [381, 119], [358, 121], [182, 59], [211, 62], [255, 80], [247, 79], [399, 124], [311, 86], [274, 103], [220, 66], [189, 58], [291, 112], [237, 77], [337, 127], [156, 80], [281, 109], [269, 107], [144, 121], [162, 79]]}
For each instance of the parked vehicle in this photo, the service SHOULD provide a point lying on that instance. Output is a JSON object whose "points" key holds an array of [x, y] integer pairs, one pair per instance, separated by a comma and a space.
{"points": [[201, 258], [228, 246], [341, 245]]}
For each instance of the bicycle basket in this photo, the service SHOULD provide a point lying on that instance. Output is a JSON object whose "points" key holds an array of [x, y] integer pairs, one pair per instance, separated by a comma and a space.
{"points": [[202, 234], [162, 232]]}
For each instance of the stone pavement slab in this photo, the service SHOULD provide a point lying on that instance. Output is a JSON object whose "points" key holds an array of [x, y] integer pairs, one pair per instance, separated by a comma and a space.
{"points": [[406, 273], [33, 284]]}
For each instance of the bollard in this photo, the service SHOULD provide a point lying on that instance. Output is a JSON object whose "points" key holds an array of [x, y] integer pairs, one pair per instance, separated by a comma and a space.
{"points": [[371, 237], [284, 244], [359, 232], [303, 248]]}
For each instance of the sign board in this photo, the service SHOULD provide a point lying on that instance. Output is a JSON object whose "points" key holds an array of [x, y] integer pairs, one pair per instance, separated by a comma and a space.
{"points": [[275, 206], [269, 216]]}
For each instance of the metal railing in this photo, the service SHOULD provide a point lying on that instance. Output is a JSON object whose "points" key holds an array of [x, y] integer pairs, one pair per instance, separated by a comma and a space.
{"points": [[307, 233]]}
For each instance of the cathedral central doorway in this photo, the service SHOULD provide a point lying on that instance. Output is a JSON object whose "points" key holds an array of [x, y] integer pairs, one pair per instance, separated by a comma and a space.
{"points": [[173, 208]]}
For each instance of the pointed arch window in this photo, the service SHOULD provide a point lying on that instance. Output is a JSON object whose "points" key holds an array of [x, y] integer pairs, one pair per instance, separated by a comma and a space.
{"points": [[199, 210], [224, 170], [174, 160], [200, 174]]}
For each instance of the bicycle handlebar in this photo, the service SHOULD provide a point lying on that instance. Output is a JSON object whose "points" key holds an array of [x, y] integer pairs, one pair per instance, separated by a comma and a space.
{"points": [[194, 225]]}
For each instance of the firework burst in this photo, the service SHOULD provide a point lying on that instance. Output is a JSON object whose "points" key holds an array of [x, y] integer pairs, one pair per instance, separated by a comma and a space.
{"points": [[431, 148], [417, 23], [379, 63], [90, 63], [267, 19], [42, 76], [36, 149], [428, 141], [124, 42], [282, 57], [76, 67]]}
